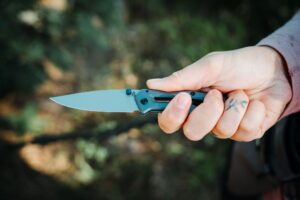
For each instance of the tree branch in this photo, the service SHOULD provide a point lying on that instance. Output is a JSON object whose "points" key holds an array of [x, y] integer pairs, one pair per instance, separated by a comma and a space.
{"points": [[45, 139]]}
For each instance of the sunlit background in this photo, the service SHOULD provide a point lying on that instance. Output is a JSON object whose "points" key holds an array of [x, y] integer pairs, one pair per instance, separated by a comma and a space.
{"points": [[55, 47]]}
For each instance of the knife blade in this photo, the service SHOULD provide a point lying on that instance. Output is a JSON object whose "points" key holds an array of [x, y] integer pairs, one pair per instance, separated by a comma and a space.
{"points": [[125, 100]]}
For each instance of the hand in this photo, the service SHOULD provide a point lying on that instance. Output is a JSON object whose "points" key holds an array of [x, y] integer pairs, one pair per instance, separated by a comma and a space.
{"points": [[254, 79]]}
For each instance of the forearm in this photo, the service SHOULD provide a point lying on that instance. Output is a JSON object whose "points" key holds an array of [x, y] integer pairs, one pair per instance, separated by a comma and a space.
{"points": [[286, 40]]}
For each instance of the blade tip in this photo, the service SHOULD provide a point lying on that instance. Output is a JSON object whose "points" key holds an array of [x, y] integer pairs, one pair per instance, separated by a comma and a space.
{"points": [[53, 99]]}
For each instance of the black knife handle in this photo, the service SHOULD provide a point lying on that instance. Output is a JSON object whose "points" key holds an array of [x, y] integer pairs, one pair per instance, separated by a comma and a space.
{"points": [[156, 101]]}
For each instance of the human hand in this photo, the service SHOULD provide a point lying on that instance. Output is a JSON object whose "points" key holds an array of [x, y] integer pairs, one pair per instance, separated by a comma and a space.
{"points": [[254, 79]]}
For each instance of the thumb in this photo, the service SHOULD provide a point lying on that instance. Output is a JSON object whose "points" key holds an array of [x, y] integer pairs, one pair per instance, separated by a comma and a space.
{"points": [[202, 73]]}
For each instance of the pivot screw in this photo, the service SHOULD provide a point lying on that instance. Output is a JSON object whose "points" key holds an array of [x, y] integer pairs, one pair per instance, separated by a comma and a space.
{"points": [[144, 101]]}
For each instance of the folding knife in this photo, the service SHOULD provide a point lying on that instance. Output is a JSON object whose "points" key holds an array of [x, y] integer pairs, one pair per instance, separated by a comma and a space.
{"points": [[126, 100]]}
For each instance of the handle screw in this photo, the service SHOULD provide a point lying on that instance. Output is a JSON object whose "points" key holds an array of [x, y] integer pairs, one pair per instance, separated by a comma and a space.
{"points": [[128, 91]]}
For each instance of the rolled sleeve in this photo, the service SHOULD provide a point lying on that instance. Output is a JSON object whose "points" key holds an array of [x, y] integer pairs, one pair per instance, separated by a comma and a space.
{"points": [[286, 40]]}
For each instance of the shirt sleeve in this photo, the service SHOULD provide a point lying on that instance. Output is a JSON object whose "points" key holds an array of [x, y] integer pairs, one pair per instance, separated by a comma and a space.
{"points": [[286, 40]]}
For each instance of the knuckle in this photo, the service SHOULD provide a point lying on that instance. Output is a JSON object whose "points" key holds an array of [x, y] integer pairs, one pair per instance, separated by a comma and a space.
{"points": [[212, 53], [217, 103], [171, 118], [248, 127], [213, 59], [187, 131], [215, 132], [190, 133], [247, 139], [177, 76], [240, 93], [169, 121], [243, 137], [288, 93], [224, 130], [259, 134], [243, 93], [210, 62], [165, 127]]}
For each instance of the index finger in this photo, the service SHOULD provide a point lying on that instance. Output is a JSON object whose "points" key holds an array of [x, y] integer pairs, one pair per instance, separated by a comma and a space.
{"points": [[205, 117], [202, 73]]}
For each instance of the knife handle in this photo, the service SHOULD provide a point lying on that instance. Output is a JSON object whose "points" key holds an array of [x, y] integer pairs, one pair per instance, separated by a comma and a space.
{"points": [[156, 101]]}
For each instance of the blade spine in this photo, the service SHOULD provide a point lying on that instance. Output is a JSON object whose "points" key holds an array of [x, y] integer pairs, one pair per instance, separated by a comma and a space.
{"points": [[136, 108]]}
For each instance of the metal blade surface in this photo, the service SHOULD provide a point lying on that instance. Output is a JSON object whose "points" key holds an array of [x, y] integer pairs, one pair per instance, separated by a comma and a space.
{"points": [[99, 100]]}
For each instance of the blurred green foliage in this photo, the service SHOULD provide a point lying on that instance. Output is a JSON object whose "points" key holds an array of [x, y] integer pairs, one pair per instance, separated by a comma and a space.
{"points": [[27, 121], [31, 32], [102, 42]]}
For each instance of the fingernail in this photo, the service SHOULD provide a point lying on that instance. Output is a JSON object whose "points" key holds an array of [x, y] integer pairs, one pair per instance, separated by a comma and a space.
{"points": [[182, 101], [152, 81]]}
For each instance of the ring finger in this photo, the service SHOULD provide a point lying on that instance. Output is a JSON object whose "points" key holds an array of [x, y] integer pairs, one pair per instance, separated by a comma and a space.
{"points": [[235, 108]]}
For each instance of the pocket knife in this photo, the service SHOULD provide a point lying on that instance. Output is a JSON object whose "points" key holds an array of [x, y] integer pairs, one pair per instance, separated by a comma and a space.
{"points": [[126, 100]]}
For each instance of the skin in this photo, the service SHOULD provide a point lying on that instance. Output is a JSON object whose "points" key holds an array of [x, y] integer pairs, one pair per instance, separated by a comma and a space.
{"points": [[255, 81]]}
